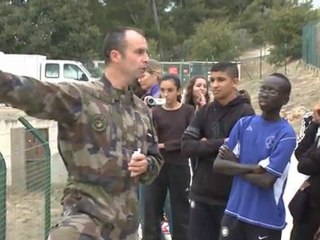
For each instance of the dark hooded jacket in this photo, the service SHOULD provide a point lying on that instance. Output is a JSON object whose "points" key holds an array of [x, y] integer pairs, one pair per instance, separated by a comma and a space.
{"points": [[308, 156], [214, 123]]}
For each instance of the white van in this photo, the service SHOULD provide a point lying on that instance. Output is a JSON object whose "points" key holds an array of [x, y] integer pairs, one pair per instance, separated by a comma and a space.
{"points": [[43, 69], [64, 70]]}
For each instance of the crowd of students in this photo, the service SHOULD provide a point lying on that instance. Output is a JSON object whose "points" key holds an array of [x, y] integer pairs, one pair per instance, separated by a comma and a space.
{"points": [[239, 160]]}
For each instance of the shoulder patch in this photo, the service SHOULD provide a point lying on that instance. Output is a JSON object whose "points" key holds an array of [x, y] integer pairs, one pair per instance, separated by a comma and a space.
{"points": [[98, 122]]}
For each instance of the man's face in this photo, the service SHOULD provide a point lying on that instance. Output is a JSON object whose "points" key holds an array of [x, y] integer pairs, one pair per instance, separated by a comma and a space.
{"points": [[135, 57], [270, 96], [147, 80], [222, 85]]}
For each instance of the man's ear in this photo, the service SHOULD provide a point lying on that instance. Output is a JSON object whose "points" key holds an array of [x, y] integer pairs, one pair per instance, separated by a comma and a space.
{"points": [[115, 56], [235, 82], [285, 100]]}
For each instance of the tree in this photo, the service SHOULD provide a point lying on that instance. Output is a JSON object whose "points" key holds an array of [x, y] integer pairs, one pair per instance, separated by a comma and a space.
{"points": [[13, 28], [75, 28], [212, 40], [252, 19], [58, 29], [283, 30]]}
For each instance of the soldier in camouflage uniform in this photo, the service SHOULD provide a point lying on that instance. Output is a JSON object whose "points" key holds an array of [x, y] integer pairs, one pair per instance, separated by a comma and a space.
{"points": [[101, 124]]}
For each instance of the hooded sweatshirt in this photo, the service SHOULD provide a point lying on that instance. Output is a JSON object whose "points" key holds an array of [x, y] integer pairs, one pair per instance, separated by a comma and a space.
{"points": [[308, 156], [213, 122]]}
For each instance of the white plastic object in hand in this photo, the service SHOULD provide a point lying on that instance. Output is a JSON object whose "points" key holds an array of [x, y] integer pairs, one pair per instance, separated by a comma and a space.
{"points": [[138, 151]]}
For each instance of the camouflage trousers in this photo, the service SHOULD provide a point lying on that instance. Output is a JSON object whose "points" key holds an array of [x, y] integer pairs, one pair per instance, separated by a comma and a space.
{"points": [[83, 227]]}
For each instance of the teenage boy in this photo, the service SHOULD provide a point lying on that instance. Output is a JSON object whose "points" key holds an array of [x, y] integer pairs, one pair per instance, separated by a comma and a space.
{"points": [[202, 139], [258, 154]]}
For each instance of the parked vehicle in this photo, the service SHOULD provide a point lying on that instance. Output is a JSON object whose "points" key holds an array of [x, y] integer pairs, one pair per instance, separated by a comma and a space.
{"points": [[39, 67]]}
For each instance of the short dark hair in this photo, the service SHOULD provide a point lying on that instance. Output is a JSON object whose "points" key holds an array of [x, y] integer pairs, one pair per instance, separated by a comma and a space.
{"points": [[115, 40], [172, 77], [286, 82], [230, 68]]}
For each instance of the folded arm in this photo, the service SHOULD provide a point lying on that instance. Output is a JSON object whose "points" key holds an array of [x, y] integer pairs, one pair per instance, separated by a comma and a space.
{"points": [[193, 146], [264, 180], [229, 167], [309, 162], [172, 145]]}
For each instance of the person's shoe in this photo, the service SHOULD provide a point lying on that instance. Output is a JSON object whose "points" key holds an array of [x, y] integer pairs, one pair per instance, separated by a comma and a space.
{"points": [[165, 227]]}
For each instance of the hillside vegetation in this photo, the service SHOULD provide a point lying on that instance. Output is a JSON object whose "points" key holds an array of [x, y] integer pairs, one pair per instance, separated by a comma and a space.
{"points": [[305, 86]]}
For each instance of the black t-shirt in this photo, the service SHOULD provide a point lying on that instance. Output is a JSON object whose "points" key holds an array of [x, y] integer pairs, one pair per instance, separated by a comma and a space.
{"points": [[170, 125]]}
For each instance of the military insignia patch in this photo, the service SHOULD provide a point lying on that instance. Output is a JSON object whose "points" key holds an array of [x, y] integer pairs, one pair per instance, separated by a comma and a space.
{"points": [[99, 122]]}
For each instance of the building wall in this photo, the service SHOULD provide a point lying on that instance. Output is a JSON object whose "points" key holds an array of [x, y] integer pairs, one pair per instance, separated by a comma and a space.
{"points": [[9, 120]]}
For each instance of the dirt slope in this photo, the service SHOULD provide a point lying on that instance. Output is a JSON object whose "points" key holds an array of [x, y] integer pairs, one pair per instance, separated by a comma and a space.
{"points": [[305, 86]]}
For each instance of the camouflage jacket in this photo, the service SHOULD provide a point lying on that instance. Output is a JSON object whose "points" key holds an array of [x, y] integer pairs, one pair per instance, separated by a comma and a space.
{"points": [[99, 127]]}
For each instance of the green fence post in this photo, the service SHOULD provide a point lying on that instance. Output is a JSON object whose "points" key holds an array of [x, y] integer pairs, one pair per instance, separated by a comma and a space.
{"points": [[3, 198], [47, 185]]}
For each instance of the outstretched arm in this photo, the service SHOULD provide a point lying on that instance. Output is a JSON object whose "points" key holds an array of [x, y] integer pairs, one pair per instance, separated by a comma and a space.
{"points": [[61, 102]]}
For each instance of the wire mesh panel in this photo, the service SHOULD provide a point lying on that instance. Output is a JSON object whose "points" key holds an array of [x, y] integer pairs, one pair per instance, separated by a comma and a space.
{"points": [[181, 69], [25, 173], [189, 69], [310, 44]]}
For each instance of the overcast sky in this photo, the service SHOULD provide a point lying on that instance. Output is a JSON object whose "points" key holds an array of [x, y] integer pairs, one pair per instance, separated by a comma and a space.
{"points": [[316, 3]]}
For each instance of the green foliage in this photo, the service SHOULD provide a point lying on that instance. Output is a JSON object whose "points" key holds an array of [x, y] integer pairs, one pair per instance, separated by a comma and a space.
{"points": [[243, 38], [212, 40], [13, 28], [153, 49], [253, 18], [176, 29], [58, 29], [283, 31]]}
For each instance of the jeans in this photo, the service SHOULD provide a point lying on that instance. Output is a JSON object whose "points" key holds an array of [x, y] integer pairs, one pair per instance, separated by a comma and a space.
{"points": [[176, 179], [205, 221], [166, 208]]}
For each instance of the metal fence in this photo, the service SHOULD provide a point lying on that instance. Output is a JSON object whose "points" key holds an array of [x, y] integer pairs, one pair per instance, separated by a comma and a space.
{"points": [[184, 69], [310, 44], [188, 69], [25, 207]]}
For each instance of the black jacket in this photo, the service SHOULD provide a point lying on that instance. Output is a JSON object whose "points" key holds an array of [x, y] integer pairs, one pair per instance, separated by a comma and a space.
{"points": [[308, 155], [213, 122]]}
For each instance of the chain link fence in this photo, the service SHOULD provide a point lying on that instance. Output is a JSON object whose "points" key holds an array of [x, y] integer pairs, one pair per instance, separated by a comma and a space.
{"points": [[28, 199], [187, 70]]}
